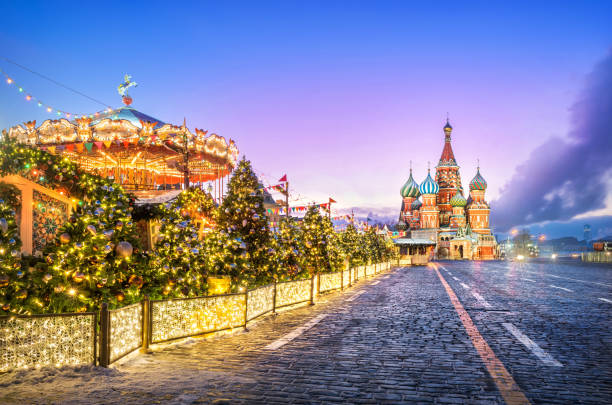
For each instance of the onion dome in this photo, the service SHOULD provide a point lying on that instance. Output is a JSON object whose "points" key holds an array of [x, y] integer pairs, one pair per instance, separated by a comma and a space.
{"points": [[447, 127], [458, 200], [411, 188], [429, 186], [478, 182], [416, 204]]}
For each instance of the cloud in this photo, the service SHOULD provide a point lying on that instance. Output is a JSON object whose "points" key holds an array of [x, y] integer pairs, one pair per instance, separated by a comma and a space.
{"points": [[563, 178]]}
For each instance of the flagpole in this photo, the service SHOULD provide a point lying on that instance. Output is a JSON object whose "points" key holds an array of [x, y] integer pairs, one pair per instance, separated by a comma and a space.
{"points": [[287, 199], [329, 209]]}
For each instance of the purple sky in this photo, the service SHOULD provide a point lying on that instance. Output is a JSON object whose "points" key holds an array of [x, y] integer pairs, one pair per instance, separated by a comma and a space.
{"points": [[338, 95]]}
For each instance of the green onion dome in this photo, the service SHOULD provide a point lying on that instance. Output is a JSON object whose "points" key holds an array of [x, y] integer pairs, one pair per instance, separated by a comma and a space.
{"points": [[458, 200], [416, 204], [411, 188], [478, 182], [429, 186]]}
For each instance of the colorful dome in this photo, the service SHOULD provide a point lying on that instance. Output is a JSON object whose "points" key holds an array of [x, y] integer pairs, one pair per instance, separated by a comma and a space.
{"points": [[429, 186], [411, 188], [458, 200], [478, 182], [416, 204], [448, 126]]}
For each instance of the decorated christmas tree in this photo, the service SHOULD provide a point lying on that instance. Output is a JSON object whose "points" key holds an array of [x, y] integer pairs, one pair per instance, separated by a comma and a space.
{"points": [[178, 266], [289, 246], [242, 218], [91, 261], [321, 243], [351, 244], [13, 283]]}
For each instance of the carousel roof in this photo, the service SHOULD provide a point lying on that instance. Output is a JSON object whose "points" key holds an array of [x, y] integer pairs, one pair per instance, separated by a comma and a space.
{"points": [[129, 114], [137, 150]]}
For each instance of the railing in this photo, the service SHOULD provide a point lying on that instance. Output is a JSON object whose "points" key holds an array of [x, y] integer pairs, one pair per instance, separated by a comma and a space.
{"points": [[73, 339], [47, 340]]}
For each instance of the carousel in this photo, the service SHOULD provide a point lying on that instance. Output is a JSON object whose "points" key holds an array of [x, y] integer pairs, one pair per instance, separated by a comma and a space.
{"points": [[145, 155]]}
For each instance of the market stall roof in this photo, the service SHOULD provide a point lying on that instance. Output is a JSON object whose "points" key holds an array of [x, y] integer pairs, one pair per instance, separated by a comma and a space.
{"points": [[410, 241]]}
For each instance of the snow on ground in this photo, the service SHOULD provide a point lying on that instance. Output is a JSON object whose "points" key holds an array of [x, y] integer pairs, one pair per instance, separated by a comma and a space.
{"points": [[173, 374]]}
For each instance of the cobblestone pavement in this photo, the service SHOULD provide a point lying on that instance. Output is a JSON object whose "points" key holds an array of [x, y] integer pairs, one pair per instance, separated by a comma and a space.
{"points": [[399, 340]]}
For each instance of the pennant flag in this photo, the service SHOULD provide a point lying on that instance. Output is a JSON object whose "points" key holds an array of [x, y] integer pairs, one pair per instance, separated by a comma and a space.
{"points": [[70, 147], [126, 144], [108, 144], [89, 146], [98, 145], [61, 148], [79, 147], [283, 179], [331, 200], [51, 149]]}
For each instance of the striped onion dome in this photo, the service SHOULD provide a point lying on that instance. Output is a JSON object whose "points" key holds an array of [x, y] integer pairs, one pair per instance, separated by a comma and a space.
{"points": [[411, 188], [429, 186], [416, 204], [458, 200], [478, 182]]}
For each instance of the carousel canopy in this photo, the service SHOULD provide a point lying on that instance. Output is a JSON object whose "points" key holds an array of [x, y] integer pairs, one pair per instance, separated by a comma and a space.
{"points": [[136, 150]]}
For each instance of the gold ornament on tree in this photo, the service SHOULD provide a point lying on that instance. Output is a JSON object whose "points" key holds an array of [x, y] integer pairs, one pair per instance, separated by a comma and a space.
{"points": [[124, 249]]}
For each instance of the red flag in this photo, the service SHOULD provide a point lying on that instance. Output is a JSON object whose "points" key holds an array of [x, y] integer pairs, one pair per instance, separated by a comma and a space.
{"points": [[331, 200], [284, 178]]}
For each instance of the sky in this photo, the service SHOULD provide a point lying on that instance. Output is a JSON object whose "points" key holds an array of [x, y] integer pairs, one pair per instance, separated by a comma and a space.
{"points": [[338, 95]]}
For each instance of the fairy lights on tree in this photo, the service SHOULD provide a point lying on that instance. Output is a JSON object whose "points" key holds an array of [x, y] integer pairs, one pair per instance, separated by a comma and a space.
{"points": [[242, 217]]}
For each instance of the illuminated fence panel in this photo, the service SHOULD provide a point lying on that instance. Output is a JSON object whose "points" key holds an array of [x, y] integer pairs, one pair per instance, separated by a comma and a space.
{"points": [[173, 319], [330, 281], [260, 301], [361, 272], [346, 277], [125, 330], [38, 341], [370, 270], [292, 292]]}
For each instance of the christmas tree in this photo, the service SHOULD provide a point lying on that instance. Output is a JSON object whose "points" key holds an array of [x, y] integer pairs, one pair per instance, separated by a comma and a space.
{"points": [[351, 244], [13, 283], [322, 251], [289, 246], [91, 261], [178, 267], [242, 218]]}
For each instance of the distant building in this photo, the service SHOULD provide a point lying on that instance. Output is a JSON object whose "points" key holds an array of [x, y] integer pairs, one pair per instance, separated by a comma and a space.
{"points": [[587, 233], [459, 226]]}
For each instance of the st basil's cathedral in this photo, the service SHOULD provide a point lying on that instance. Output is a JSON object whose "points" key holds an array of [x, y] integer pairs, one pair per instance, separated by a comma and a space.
{"points": [[437, 210]]}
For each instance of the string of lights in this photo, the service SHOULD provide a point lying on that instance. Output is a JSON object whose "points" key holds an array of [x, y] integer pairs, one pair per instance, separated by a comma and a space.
{"points": [[60, 112]]}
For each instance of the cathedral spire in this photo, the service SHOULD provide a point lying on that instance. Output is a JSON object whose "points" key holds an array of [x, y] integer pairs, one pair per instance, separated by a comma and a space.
{"points": [[448, 157]]}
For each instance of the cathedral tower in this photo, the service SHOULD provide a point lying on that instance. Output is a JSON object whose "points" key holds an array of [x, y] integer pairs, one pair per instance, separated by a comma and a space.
{"points": [[458, 202], [429, 211], [448, 177], [478, 209], [409, 192]]}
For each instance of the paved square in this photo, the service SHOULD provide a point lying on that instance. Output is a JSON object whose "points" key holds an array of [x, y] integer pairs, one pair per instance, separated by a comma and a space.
{"points": [[395, 339]]}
